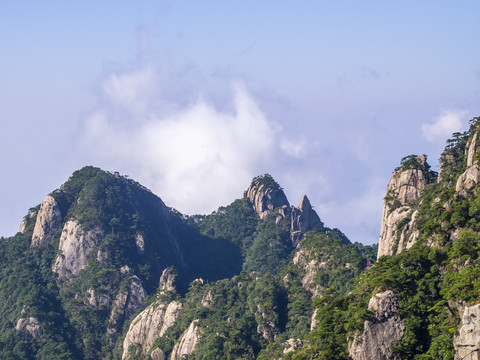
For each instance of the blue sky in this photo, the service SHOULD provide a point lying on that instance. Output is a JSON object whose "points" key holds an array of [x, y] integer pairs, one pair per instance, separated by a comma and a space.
{"points": [[193, 99]]}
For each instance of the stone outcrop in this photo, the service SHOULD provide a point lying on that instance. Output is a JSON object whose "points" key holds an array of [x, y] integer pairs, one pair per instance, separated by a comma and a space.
{"points": [[265, 195], [29, 325], [404, 188], [187, 342], [48, 221], [467, 341], [140, 243], [291, 345], [150, 324], [304, 218], [167, 280], [98, 299], [26, 220], [74, 246], [126, 303], [381, 332], [468, 180], [265, 198], [157, 354], [471, 176], [311, 264]]}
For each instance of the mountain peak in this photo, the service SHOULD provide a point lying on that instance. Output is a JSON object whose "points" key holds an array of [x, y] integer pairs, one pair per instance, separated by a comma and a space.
{"points": [[265, 194]]}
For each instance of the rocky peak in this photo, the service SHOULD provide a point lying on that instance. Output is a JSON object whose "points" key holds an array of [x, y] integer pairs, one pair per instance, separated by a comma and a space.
{"points": [[304, 218], [48, 221], [265, 195], [405, 187]]}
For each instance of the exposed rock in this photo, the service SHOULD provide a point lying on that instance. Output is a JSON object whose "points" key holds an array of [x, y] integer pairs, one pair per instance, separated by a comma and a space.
{"points": [[470, 149], [125, 269], [381, 332], [291, 345], [97, 300], [167, 280], [74, 246], [404, 188], [26, 220], [207, 299], [311, 265], [468, 180], [102, 255], [187, 342], [140, 243], [126, 303], [304, 218], [157, 354], [30, 325], [267, 320], [314, 320], [467, 342], [265, 199], [48, 221], [150, 324]]}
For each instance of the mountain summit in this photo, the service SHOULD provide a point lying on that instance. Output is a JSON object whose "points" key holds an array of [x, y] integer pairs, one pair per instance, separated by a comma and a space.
{"points": [[102, 268]]}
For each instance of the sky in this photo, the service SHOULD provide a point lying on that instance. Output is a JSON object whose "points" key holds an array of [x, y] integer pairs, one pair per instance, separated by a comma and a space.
{"points": [[195, 98]]}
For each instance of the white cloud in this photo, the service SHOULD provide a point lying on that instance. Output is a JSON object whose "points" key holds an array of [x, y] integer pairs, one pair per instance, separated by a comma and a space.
{"points": [[195, 158], [294, 147], [448, 122]]}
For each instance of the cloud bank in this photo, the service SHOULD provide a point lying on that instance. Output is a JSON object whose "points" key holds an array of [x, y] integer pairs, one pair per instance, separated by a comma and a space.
{"points": [[193, 156], [448, 122]]}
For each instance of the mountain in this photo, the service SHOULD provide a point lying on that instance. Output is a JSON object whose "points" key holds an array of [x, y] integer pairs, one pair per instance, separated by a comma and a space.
{"points": [[421, 299], [102, 268]]}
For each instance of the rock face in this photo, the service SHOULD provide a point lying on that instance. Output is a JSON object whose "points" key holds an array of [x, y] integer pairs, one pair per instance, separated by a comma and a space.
{"points": [[74, 246], [468, 180], [154, 320], [471, 177], [30, 325], [150, 324], [187, 342], [265, 195], [467, 342], [167, 280], [98, 299], [265, 198], [48, 221], [311, 264], [381, 332], [126, 303], [404, 188], [304, 218], [26, 220], [471, 150]]}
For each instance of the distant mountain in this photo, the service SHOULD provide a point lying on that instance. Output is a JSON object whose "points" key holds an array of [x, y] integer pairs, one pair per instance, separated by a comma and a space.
{"points": [[102, 268]]}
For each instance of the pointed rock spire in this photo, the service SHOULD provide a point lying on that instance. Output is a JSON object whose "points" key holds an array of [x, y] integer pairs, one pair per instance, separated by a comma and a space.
{"points": [[304, 218]]}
